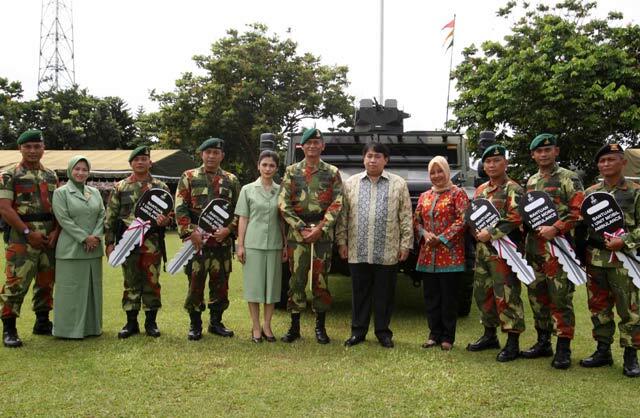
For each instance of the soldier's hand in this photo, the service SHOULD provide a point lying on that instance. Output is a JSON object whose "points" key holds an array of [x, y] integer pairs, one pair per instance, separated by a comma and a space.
{"points": [[196, 240], [614, 244], [547, 232], [343, 250], [109, 249], [163, 221], [483, 236], [310, 235], [241, 254], [403, 255], [221, 234], [37, 240]]}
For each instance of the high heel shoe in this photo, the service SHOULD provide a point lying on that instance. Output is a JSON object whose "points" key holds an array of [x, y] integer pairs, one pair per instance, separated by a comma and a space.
{"points": [[271, 339], [255, 339]]}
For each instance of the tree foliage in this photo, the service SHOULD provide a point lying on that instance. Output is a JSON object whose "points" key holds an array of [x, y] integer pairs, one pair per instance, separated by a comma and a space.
{"points": [[251, 83], [558, 71]]}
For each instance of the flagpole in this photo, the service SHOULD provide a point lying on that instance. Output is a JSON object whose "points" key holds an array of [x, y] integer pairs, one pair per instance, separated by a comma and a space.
{"points": [[381, 98], [453, 37]]}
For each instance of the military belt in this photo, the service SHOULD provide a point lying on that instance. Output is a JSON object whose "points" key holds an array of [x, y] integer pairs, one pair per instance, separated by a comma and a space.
{"points": [[312, 219], [37, 217]]}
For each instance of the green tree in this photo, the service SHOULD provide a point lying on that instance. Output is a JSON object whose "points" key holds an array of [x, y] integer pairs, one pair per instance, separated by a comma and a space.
{"points": [[251, 83], [558, 71], [11, 112]]}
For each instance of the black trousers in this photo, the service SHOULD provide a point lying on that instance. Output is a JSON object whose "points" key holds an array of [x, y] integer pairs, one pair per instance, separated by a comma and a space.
{"points": [[440, 292], [372, 284]]}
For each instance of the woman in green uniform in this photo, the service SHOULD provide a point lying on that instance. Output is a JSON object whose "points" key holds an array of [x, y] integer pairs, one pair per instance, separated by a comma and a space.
{"points": [[79, 209]]}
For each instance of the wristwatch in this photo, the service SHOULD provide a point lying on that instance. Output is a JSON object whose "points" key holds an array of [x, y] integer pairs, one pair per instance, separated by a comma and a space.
{"points": [[26, 232]]}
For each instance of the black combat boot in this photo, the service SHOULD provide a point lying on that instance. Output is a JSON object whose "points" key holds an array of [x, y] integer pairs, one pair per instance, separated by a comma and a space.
{"points": [[488, 341], [294, 330], [321, 332], [631, 368], [562, 359], [10, 333], [195, 329], [42, 326], [600, 357], [131, 327], [150, 325], [542, 347], [511, 350], [217, 327]]}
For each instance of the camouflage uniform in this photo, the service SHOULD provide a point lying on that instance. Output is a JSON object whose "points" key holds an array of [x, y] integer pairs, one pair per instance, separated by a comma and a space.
{"points": [[308, 196], [196, 189], [608, 282], [496, 287], [141, 269], [551, 294], [31, 192]]}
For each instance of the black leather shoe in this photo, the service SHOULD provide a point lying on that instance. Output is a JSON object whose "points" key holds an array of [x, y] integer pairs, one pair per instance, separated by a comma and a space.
{"points": [[542, 347], [321, 331], [42, 326], [631, 368], [386, 342], [511, 350], [217, 327], [600, 357], [131, 327], [353, 340], [269, 339], [562, 358], [150, 325], [256, 340], [10, 337], [488, 341], [195, 328], [294, 330]]}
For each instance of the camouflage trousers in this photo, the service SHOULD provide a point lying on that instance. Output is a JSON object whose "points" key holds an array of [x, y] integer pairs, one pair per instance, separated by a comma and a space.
{"points": [[216, 263], [141, 272], [23, 264], [551, 297], [496, 290], [607, 287], [299, 264]]}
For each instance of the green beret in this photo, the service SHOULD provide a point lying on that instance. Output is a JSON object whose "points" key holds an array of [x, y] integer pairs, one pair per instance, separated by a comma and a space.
{"points": [[141, 150], [31, 135], [609, 149], [310, 133], [211, 143], [493, 151], [543, 140]]}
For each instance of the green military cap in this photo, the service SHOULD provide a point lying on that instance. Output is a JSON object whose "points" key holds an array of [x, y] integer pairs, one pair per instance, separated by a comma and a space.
{"points": [[543, 140], [310, 133], [211, 143], [493, 151], [141, 150], [608, 149], [31, 135]]}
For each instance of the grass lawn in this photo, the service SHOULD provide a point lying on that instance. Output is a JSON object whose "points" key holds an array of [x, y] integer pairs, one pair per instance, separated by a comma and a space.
{"points": [[171, 376]]}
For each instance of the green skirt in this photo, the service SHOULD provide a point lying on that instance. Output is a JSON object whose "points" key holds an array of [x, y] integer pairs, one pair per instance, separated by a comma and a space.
{"points": [[77, 300], [262, 272]]}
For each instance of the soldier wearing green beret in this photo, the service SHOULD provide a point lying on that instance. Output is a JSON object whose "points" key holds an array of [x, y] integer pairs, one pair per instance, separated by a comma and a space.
{"points": [[26, 191], [196, 188], [551, 294], [141, 269], [608, 282], [496, 287], [310, 200]]}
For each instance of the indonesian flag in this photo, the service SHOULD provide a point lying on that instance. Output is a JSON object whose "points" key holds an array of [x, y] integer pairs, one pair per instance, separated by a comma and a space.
{"points": [[451, 25]]}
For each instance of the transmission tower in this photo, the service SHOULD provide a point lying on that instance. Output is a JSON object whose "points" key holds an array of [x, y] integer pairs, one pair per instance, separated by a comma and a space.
{"points": [[56, 68]]}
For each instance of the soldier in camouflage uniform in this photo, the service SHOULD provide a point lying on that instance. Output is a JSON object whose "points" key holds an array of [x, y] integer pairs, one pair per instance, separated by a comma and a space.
{"points": [[26, 191], [551, 294], [496, 287], [608, 282], [196, 189], [310, 200], [141, 269]]}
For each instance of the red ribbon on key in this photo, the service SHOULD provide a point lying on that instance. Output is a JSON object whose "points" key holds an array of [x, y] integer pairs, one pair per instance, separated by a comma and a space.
{"points": [[140, 224]]}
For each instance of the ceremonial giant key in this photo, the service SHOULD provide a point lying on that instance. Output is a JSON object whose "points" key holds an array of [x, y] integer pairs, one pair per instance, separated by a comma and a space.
{"points": [[482, 214], [537, 210], [152, 203], [217, 214], [601, 211]]}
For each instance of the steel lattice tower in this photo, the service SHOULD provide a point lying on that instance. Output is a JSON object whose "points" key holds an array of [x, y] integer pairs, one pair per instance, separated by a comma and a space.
{"points": [[56, 68]]}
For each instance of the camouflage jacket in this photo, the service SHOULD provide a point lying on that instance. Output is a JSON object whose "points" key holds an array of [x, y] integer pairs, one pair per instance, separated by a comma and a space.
{"points": [[310, 195], [121, 207], [31, 192], [627, 194], [196, 189], [505, 197], [566, 191]]}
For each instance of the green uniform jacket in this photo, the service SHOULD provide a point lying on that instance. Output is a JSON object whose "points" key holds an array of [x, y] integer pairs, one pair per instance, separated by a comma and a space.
{"points": [[80, 215], [627, 194]]}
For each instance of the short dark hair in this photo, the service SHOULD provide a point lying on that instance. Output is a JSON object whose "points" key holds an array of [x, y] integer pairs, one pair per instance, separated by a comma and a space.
{"points": [[376, 147], [269, 154]]}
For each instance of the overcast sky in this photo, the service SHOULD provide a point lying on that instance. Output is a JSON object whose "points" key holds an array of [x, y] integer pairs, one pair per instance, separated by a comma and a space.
{"points": [[126, 48]]}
